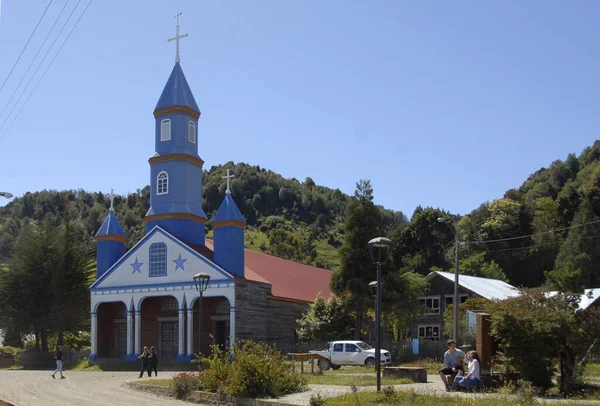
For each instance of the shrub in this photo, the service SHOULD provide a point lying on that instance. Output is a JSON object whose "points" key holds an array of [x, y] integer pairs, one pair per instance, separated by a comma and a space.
{"points": [[11, 352], [257, 370], [316, 400], [388, 391], [184, 383]]}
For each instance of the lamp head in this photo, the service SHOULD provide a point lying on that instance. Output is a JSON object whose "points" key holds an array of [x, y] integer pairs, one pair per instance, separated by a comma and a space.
{"points": [[8, 195], [201, 281], [373, 288], [380, 248], [441, 220]]}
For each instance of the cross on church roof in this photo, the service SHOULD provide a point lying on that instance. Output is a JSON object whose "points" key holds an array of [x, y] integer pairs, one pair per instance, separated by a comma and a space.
{"points": [[112, 196], [228, 177], [176, 38]]}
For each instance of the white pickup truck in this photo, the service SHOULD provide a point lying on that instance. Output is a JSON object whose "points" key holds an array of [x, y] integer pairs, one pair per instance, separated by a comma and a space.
{"points": [[338, 353]]}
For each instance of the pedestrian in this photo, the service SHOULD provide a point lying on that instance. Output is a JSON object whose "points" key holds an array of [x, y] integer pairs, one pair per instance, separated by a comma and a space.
{"points": [[145, 357], [58, 356], [153, 362], [472, 378]]}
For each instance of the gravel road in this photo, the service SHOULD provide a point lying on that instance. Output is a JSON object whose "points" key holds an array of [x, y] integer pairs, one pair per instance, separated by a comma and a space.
{"points": [[37, 388]]}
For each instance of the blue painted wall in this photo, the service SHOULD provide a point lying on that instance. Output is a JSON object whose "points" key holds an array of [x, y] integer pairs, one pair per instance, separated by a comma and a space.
{"points": [[186, 230], [229, 249], [179, 143], [108, 252]]}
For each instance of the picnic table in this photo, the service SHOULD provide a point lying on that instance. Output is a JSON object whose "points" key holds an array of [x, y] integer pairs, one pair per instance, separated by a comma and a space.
{"points": [[306, 356]]}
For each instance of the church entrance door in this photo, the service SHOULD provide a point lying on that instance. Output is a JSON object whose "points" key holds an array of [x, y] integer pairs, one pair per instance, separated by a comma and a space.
{"points": [[170, 339], [120, 340], [222, 333]]}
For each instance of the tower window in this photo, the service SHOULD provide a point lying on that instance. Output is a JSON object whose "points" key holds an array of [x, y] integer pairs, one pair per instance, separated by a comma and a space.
{"points": [[162, 183], [192, 132], [158, 259], [165, 129]]}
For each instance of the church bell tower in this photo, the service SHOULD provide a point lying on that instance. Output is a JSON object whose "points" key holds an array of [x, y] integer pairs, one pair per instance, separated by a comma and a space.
{"points": [[176, 167]]}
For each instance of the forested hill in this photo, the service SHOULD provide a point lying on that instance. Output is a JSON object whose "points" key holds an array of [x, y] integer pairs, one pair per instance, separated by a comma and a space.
{"points": [[286, 217], [549, 228]]}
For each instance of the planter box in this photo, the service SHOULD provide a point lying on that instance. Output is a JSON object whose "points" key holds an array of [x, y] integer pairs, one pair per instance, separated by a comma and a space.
{"points": [[416, 374]]}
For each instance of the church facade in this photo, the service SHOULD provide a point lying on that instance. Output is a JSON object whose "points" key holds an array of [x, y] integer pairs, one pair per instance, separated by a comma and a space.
{"points": [[147, 297]]}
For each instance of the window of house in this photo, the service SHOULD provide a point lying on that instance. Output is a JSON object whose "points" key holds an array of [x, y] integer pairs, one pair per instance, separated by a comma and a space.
{"points": [[169, 304], [429, 332], [431, 304], [352, 348], [192, 132], [165, 129], [162, 183], [450, 298], [338, 347], [222, 306], [158, 259]]}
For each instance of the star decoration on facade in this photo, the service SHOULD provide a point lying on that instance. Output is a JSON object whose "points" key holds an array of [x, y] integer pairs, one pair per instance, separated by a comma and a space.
{"points": [[179, 263], [137, 266]]}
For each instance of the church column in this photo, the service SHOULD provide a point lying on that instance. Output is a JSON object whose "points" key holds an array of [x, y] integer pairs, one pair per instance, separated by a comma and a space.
{"points": [[94, 334], [181, 349], [231, 326], [190, 332], [130, 332], [138, 331]]}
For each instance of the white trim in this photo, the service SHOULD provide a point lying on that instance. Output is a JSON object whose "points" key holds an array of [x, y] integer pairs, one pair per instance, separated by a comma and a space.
{"points": [[165, 188], [165, 129], [192, 132], [432, 310]]}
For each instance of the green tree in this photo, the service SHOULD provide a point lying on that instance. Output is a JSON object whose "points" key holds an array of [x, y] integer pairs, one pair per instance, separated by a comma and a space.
{"points": [[476, 265], [326, 320], [356, 271], [472, 304]]}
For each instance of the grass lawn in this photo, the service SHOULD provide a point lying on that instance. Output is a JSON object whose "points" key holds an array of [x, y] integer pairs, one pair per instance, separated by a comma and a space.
{"points": [[592, 370], [432, 366], [84, 365], [157, 382], [358, 380]]}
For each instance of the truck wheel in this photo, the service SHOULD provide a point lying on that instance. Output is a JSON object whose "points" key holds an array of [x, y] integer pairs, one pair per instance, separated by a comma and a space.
{"points": [[370, 362], [325, 364]]}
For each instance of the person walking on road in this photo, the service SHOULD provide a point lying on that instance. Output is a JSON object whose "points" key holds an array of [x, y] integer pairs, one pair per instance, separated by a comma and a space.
{"points": [[145, 357], [153, 362], [59, 363]]}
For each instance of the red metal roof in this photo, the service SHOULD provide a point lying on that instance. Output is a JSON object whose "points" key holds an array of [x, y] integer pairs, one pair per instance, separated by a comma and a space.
{"points": [[289, 279]]}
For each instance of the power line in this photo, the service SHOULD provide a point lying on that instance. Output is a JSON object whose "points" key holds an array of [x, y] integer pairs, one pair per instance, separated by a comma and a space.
{"points": [[33, 60], [532, 235], [39, 66], [539, 245], [23, 50], [46, 71]]}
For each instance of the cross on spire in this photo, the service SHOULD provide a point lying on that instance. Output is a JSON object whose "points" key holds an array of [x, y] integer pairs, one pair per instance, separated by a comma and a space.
{"points": [[176, 38], [112, 196], [228, 177]]}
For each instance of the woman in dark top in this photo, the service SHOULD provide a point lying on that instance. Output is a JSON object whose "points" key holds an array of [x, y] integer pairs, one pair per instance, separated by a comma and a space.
{"points": [[153, 362], [145, 357]]}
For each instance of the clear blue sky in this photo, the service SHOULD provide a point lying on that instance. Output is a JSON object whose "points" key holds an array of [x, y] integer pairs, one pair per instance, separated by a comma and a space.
{"points": [[445, 104]]}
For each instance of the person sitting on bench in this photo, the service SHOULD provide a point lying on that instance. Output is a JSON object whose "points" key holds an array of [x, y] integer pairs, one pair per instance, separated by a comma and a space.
{"points": [[453, 361], [472, 378]]}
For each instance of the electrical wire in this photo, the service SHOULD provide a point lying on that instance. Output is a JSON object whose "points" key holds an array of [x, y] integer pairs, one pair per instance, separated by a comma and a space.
{"points": [[27, 43], [538, 245], [33, 60], [46, 71]]}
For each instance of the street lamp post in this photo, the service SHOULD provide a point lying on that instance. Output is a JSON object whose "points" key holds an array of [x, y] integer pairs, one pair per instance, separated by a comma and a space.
{"points": [[8, 195], [373, 288], [379, 248], [456, 302], [201, 281]]}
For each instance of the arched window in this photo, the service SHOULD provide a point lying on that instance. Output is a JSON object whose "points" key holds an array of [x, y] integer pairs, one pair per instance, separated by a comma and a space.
{"points": [[192, 132], [158, 259], [162, 183], [165, 129]]}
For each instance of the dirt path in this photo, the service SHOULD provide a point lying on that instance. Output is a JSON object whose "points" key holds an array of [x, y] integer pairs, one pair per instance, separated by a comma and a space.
{"points": [[37, 388]]}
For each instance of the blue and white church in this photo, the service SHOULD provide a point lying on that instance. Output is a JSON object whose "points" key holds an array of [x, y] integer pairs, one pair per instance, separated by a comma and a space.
{"points": [[146, 296]]}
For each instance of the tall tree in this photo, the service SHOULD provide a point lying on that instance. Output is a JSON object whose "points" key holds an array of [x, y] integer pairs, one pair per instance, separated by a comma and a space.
{"points": [[351, 280]]}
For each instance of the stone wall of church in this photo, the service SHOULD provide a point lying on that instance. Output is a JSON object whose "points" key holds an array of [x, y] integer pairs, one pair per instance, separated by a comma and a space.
{"points": [[259, 318]]}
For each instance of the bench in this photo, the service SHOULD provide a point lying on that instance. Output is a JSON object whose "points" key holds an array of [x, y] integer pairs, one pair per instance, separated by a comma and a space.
{"points": [[418, 375], [306, 356]]}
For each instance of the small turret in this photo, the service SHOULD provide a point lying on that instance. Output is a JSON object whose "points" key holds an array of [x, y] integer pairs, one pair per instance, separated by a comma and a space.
{"points": [[111, 241], [229, 224]]}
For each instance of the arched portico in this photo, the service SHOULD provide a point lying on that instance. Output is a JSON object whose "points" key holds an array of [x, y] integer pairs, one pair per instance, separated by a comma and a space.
{"points": [[159, 316]]}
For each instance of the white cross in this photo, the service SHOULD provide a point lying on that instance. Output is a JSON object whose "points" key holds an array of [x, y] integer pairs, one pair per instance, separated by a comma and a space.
{"points": [[112, 196], [176, 38], [228, 191]]}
